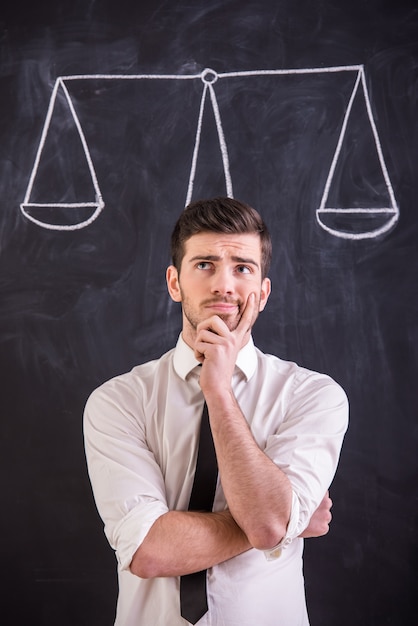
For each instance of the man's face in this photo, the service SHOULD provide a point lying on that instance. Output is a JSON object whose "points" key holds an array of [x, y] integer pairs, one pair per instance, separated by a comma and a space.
{"points": [[218, 273]]}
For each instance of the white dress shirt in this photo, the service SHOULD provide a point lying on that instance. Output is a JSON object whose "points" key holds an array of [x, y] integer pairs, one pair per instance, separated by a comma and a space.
{"points": [[141, 434]]}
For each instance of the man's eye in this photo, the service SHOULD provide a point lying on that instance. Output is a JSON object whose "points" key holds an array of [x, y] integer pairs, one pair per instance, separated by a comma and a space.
{"points": [[203, 265], [243, 269]]}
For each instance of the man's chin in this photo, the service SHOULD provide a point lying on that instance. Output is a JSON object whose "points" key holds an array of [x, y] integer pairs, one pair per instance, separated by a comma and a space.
{"points": [[230, 320]]}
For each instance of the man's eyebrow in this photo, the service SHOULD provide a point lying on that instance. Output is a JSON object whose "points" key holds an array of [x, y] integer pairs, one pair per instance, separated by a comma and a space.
{"points": [[214, 257], [246, 261]]}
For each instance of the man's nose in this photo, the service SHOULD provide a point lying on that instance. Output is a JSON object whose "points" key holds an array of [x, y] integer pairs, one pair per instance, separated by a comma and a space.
{"points": [[223, 282]]}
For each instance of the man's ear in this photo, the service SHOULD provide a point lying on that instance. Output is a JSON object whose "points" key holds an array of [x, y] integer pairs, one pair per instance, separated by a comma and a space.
{"points": [[173, 284], [265, 292]]}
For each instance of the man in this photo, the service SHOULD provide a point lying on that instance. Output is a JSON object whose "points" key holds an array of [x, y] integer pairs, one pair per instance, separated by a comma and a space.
{"points": [[277, 431]]}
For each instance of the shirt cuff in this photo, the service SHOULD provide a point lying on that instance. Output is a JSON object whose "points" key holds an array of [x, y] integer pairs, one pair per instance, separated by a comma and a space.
{"points": [[291, 532], [133, 528]]}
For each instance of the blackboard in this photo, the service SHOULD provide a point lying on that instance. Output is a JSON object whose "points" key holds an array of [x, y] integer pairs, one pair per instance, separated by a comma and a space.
{"points": [[308, 112]]}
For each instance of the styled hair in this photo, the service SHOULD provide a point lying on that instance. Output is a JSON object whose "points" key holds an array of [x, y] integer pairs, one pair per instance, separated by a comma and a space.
{"points": [[219, 215]]}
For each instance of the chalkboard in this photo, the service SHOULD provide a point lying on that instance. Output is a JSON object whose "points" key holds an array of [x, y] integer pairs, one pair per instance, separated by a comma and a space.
{"points": [[112, 116]]}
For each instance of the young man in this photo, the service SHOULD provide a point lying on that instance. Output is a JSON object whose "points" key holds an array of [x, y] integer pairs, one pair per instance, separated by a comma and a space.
{"points": [[277, 431]]}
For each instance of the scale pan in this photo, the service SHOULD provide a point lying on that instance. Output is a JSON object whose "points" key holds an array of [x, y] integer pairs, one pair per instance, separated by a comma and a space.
{"points": [[357, 223], [62, 216]]}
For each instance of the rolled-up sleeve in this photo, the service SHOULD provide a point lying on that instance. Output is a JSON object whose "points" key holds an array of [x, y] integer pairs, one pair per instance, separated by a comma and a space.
{"points": [[127, 483], [307, 445]]}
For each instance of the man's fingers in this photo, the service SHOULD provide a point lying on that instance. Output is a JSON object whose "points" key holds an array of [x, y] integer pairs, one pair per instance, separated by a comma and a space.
{"points": [[245, 322], [209, 332], [213, 324]]}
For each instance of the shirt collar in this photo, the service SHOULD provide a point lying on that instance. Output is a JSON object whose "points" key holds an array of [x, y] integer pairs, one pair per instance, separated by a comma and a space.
{"points": [[184, 360]]}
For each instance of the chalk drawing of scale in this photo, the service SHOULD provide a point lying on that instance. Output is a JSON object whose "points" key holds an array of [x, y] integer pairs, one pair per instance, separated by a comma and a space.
{"points": [[328, 217]]}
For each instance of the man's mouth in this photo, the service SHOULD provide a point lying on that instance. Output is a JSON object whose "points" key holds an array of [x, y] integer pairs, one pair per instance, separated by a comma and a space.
{"points": [[223, 307]]}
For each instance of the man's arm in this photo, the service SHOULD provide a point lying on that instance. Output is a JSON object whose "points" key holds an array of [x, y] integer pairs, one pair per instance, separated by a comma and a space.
{"points": [[182, 542], [258, 493], [129, 491]]}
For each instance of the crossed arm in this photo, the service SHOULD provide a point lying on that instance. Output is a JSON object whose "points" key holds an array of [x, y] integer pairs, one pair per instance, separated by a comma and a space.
{"points": [[182, 542]]}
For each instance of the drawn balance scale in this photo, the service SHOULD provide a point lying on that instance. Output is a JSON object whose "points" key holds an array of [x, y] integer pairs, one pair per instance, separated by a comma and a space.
{"points": [[347, 222]]}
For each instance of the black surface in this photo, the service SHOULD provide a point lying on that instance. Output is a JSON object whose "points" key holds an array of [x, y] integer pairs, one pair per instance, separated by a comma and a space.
{"points": [[80, 306]]}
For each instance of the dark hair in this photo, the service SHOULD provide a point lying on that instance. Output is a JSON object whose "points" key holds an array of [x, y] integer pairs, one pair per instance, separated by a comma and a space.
{"points": [[219, 215]]}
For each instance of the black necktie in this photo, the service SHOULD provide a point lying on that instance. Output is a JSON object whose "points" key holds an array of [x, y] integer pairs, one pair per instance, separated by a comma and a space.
{"points": [[193, 598]]}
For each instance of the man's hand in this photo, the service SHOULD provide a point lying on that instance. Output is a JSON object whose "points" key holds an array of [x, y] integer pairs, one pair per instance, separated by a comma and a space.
{"points": [[217, 347], [320, 520]]}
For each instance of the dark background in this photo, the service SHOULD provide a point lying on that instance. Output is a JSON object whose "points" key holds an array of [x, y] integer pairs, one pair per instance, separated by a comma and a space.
{"points": [[78, 307]]}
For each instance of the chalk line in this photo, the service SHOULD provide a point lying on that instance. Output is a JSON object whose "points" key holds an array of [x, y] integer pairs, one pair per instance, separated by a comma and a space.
{"points": [[209, 77]]}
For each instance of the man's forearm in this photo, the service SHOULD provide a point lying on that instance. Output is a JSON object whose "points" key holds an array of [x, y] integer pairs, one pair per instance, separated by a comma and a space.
{"points": [[182, 542], [258, 493]]}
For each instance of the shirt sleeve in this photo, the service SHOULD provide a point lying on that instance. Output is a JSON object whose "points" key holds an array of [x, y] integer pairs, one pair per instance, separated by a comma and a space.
{"points": [[307, 446], [127, 483]]}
